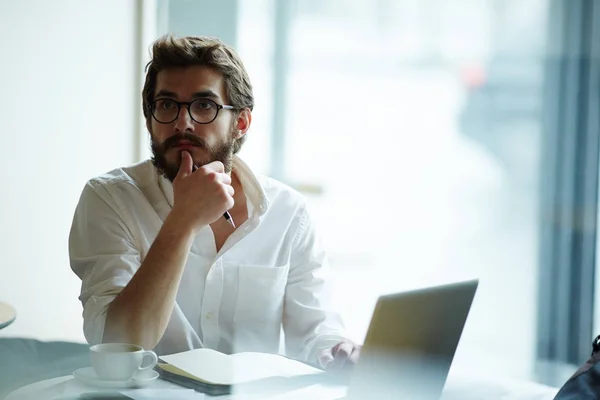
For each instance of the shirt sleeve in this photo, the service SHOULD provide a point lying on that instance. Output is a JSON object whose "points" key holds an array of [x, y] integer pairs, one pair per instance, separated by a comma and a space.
{"points": [[102, 254], [309, 322]]}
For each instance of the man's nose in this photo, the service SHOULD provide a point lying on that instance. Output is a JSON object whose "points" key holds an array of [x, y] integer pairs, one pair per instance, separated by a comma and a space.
{"points": [[184, 122]]}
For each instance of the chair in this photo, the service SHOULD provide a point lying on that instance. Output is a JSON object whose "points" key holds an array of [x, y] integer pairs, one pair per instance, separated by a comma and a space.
{"points": [[24, 361]]}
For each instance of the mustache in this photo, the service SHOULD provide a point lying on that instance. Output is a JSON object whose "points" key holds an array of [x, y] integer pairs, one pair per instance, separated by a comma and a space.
{"points": [[175, 139]]}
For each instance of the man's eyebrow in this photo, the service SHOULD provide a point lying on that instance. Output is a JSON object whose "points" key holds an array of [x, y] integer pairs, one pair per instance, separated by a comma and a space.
{"points": [[202, 94], [166, 93], [206, 93]]}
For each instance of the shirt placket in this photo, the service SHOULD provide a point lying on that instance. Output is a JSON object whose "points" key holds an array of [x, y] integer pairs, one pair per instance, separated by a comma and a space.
{"points": [[213, 293]]}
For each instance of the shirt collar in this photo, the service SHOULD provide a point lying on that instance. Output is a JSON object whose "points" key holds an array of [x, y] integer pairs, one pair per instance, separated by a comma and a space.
{"points": [[250, 184]]}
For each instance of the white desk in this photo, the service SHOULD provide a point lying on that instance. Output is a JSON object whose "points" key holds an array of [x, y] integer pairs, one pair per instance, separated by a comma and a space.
{"points": [[68, 388], [7, 315], [463, 387]]}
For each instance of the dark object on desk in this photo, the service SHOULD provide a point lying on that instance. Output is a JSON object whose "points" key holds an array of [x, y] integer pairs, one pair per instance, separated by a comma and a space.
{"points": [[25, 361], [203, 387], [103, 396], [585, 382]]}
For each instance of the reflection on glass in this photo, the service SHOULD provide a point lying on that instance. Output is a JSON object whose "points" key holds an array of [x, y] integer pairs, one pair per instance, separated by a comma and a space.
{"points": [[420, 123]]}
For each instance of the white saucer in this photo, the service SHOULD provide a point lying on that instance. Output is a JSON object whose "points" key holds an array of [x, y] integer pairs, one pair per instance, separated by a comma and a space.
{"points": [[88, 376]]}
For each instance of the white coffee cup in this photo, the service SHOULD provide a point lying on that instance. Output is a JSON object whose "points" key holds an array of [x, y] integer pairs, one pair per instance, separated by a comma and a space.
{"points": [[120, 361]]}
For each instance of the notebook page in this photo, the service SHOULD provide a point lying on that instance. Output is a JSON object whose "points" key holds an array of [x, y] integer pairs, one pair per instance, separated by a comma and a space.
{"points": [[215, 367], [206, 364], [271, 365]]}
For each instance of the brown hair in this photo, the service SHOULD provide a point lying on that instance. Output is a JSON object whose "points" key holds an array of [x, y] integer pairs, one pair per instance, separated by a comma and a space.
{"points": [[170, 51]]}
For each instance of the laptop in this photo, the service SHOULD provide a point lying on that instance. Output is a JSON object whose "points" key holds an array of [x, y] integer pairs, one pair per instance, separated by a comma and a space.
{"points": [[411, 342]]}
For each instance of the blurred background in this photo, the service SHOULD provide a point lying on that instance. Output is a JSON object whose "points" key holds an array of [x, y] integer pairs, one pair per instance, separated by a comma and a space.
{"points": [[436, 141]]}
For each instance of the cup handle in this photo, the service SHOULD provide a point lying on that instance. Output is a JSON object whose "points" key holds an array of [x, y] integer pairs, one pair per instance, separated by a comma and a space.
{"points": [[153, 356]]}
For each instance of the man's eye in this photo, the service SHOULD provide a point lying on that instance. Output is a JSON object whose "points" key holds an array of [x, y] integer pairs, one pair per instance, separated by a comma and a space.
{"points": [[203, 105], [167, 104]]}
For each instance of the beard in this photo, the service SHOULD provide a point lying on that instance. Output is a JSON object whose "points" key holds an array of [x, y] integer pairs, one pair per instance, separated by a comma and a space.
{"points": [[222, 152]]}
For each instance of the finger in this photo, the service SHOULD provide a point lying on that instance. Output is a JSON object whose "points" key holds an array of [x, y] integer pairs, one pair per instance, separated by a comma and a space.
{"points": [[226, 179], [325, 358], [355, 355], [343, 350], [230, 203], [340, 357], [335, 348], [186, 165], [215, 166], [230, 190]]}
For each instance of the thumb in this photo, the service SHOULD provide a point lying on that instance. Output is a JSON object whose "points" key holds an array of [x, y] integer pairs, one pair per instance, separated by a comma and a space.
{"points": [[325, 358], [185, 167]]}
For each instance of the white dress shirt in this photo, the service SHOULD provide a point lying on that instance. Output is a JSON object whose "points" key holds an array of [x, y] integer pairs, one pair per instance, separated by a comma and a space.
{"points": [[269, 274]]}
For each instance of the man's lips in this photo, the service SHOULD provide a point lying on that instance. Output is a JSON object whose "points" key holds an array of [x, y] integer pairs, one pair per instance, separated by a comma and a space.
{"points": [[184, 145]]}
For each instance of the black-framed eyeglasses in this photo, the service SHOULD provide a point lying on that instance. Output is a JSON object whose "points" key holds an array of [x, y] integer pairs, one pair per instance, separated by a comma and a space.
{"points": [[202, 111]]}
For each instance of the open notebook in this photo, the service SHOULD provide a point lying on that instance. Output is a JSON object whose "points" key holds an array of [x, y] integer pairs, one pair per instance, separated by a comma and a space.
{"points": [[215, 373]]}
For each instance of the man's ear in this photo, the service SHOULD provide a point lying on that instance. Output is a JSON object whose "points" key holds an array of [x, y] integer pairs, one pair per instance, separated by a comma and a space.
{"points": [[149, 125], [243, 122]]}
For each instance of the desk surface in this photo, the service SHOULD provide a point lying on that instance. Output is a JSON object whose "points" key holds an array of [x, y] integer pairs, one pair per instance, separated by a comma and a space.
{"points": [[463, 387], [69, 388], [7, 314]]}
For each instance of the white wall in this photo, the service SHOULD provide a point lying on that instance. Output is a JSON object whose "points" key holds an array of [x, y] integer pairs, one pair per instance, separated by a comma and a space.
{"points": [[69, 105]]}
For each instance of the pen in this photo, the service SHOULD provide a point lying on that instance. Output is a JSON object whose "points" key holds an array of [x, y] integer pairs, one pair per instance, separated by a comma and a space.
{"points": [[226, 215]]}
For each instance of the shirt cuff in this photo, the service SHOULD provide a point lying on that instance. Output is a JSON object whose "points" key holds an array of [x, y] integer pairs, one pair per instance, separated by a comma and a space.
{"points": [[94, 318]]}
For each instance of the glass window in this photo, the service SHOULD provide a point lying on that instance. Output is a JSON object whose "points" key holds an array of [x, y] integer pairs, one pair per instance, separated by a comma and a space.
{"points": [[414, 127]]}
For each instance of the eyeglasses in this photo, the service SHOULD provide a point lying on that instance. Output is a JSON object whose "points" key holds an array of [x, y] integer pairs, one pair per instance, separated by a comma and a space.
{"points": [[202, 111]]}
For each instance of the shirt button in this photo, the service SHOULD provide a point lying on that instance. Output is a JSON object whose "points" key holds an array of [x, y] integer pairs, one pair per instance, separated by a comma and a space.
{"points": [[209, 315]]}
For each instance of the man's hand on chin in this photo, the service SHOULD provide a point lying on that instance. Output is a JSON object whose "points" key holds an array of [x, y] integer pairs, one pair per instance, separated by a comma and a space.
{"points": [[341, 357]]}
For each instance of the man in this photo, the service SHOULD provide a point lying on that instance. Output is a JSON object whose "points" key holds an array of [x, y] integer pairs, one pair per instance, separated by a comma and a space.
{"points": [[160, 264]]}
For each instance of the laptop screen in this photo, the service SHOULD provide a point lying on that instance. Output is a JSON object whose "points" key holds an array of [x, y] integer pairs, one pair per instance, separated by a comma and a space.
{"points": [[411, 342]]}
